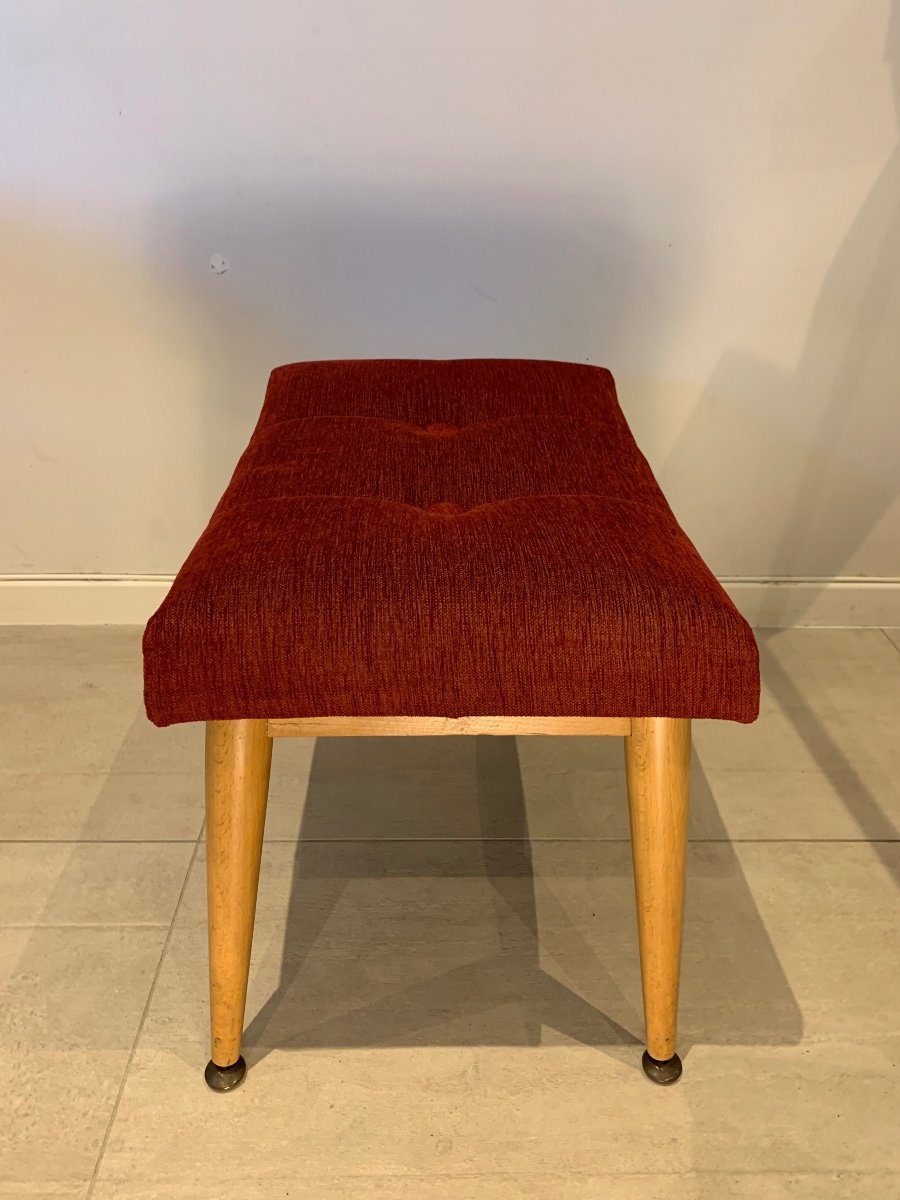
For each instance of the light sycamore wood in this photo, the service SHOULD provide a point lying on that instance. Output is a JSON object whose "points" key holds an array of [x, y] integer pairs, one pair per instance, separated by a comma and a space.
{"points": [[238, 757], [413, 726], [657, 763]]}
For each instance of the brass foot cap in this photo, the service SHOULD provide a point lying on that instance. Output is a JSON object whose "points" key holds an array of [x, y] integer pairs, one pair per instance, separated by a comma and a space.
{"points": [[225, 1079], [662, 1072]]}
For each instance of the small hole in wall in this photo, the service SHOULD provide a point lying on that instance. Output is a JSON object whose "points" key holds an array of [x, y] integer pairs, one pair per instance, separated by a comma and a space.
{"points": [[218, 264]]}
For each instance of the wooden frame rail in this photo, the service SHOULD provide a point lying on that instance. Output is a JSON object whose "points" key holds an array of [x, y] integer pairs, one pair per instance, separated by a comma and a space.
{"points": [[429, 726]]}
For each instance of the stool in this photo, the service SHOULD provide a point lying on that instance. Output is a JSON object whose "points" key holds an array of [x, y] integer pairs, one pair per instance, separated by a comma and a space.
{"points": [[413, 547]]}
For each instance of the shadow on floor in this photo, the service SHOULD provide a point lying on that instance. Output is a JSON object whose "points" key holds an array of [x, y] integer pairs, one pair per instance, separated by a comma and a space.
{"points": [[495, 939], [875, 826]]}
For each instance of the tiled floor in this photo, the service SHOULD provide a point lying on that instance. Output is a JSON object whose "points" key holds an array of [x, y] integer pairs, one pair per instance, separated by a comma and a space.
{"points": [[445, 998]]}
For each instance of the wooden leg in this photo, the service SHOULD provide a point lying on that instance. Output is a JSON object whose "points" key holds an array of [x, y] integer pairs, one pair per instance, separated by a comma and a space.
{"points": [[238, 757], [657, 764]]}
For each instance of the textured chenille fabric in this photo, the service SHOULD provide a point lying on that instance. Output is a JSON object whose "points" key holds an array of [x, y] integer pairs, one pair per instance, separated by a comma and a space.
{"points": [[445, 538]]}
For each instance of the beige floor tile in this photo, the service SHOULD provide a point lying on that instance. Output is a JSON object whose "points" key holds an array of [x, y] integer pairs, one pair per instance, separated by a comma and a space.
{"points": [[78, 989], [540, 787], [80, 759], [63, 1103], [411, 944], [783, 942], [406, 887], [770, 805], [442, 787], [70, 651], [822, 700], [103, 732], [546, 1110], [361, 997], [571, 787], [824, 740], [832, 913], [91, 884], [826, 1107], [374, 788], [422, 1110], [359, 788], [758, 803], [71, 701], [70, 1004], [797, 739], [394, 943], [101, 807], [810, 644]]}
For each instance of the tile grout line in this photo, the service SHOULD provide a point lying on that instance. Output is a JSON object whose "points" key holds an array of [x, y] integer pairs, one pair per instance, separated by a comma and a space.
{"points": [[890, 641], [310, 841], [537, 841], [162, 954], [83, 925], [98, 841]]}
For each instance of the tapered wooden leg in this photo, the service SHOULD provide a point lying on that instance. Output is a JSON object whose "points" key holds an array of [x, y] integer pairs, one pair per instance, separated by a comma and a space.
{"points": [[238, 757], [657, 763]]}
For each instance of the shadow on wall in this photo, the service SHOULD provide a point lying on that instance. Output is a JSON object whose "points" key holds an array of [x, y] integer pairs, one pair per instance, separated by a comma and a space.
{"points": [[427, 274], [818, 445], [842, 402]]}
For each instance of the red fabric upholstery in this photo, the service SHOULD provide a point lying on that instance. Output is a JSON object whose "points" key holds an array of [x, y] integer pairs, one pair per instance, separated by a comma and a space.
{"points": [[445, 538]]}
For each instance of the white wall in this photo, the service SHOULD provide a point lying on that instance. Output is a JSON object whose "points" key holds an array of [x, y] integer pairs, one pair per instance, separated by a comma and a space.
{"points": [[703, 196]]}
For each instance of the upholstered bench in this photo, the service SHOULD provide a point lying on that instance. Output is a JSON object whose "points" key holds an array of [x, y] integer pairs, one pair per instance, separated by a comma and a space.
{"points": [[444, 547]]}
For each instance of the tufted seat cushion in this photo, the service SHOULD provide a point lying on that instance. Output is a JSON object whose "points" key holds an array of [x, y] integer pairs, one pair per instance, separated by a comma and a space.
{"points": [[445, 538]]}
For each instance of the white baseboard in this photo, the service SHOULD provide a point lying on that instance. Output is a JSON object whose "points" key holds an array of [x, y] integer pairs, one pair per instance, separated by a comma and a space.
{"points": [[81, 599], [131, 599], [851, 603]]}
